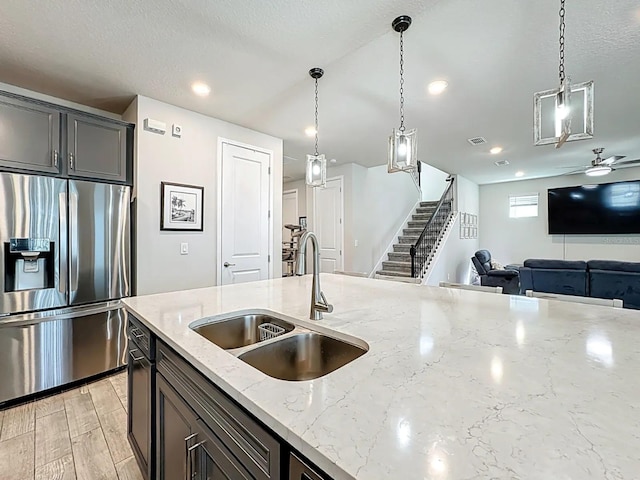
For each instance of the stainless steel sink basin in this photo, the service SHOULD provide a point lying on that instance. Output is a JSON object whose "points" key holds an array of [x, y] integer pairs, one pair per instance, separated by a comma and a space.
{"points": [[239, 331], [303, 356]]}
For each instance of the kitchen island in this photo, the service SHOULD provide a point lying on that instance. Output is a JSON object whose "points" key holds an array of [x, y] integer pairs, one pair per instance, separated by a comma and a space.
{"points": [[455, 384]]}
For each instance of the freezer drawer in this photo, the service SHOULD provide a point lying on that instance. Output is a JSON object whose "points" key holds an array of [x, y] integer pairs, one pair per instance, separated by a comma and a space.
{"points": [[45, 350], [99, 242]]}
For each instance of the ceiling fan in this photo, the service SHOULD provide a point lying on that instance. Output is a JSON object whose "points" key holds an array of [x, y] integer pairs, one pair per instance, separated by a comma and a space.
{"points": [[602, 166]]}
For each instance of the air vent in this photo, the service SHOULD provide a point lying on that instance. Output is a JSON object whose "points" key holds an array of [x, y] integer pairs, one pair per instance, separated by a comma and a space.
{"points": [[476, 141], [501, 163]]}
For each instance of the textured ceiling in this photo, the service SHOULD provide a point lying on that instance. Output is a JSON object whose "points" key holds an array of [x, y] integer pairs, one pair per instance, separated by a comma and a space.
{"points": [[255, 56]]}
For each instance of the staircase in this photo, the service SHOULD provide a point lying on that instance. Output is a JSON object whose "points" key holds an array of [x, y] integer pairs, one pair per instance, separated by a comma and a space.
{"points": [[398, 267]]}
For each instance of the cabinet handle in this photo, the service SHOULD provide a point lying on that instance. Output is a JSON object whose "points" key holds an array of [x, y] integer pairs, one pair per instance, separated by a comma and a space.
{"points": [[136, 333], [55, 158], [135, 359], [187, 455], [71, 160], [190, 450]]}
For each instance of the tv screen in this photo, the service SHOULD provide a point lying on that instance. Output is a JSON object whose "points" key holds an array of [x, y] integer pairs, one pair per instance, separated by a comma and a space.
{"points": [[608, 208]]}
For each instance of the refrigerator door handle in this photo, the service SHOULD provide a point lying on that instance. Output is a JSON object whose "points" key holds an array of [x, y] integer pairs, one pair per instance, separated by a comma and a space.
{"points": [[73, 241], [63, 240]]}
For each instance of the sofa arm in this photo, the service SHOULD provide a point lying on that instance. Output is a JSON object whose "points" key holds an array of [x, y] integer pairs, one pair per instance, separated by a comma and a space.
{"points": [[503, 273]]}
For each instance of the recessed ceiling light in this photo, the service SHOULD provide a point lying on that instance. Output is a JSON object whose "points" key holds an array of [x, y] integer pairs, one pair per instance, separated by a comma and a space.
{"points": [[495, 150], [519, 173], [201, 89], [437, 87], [333, 160], [310, 131]]}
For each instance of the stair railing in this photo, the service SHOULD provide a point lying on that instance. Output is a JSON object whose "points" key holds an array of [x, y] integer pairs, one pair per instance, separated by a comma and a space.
{"points": [[421, 250]]}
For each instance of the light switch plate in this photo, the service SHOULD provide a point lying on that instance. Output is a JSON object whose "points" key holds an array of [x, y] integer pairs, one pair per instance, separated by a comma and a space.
{"points": [[176, 130], [184, 249]]}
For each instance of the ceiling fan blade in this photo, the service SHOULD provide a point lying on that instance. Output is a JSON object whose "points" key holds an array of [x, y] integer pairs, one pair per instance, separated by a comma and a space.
{"points": [[575, 172], [573, 166], [628, 163], [613, 159]]}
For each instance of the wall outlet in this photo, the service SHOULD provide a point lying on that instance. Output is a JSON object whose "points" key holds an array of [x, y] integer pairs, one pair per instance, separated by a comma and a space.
{"points": [[355, 243], [184, 249], [448, 277], [176, 130]]}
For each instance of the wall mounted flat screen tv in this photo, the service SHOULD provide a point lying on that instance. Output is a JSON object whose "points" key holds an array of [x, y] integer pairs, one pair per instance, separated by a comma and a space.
{"points": [[608, 208]]}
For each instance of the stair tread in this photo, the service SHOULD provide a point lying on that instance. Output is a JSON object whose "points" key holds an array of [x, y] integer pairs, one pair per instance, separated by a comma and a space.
{"points": [[390, 273]]}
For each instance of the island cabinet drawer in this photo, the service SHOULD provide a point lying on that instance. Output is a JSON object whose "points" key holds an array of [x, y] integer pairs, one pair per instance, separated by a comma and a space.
{"points": [[141, 336], [299, 470], [255, 448]]}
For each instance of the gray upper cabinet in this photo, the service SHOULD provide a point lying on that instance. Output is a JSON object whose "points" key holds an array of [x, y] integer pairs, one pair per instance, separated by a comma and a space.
{"points": [[96, 148], [29, 136]]}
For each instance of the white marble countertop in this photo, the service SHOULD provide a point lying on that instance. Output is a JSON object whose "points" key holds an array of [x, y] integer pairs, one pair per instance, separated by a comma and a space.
{"points": [[456, 384]]}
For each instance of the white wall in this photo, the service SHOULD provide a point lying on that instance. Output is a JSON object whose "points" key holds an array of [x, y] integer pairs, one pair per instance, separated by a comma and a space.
{"points": [[432, 182], [453, 262], [513, 240], [376, 204], [192, 159]]}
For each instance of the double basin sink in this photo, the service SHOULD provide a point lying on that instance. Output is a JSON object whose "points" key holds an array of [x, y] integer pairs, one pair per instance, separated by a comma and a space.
{"points": [[300, 352]]}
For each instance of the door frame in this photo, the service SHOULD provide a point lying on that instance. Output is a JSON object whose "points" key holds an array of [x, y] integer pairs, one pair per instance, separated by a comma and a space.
{"points": [[270, 153], [293, 190], [342, 245]]}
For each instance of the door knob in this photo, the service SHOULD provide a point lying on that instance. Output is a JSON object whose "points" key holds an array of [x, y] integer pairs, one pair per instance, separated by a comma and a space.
{"points": [[227, 264]]}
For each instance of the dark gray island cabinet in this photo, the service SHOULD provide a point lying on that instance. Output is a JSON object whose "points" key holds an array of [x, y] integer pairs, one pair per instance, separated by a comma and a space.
{"points": [[181, 426]]}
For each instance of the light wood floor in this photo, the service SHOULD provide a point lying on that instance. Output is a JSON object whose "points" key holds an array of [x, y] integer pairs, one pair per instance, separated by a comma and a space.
{"points": [[79, 434]]}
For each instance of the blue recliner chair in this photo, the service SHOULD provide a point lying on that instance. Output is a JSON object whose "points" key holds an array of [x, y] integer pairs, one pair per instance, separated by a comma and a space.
{"points": [[509, 280]]}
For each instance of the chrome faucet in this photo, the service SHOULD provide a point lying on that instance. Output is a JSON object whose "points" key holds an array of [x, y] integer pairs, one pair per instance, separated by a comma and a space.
{"points": [[319, 303]]}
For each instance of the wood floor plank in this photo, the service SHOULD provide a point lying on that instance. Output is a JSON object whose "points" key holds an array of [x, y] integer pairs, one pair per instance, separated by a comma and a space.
{"points": [[48, 405], [60, 469], [91, 456], [128, 470], [81, 416], [114, 426], [52, 438], [17, 457], [104, 397], [18, 421]]}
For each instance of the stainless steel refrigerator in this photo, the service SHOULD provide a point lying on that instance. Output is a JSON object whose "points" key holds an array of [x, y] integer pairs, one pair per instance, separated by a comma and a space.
{"points": [[64, 266]]}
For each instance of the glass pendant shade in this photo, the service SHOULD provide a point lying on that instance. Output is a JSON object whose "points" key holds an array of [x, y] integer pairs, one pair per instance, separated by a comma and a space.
{"points": [[403, 151], [316, 171], [563, 113]]}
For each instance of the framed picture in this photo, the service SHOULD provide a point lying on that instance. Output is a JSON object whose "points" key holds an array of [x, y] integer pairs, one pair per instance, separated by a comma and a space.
{"points": [[181, 207], [302, 221]]}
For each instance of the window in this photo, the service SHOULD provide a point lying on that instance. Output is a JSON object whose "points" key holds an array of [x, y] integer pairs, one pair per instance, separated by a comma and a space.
{"points": [[523, 205]]}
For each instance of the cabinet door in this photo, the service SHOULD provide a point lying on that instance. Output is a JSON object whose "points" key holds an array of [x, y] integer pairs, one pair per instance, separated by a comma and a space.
{"points": [[29, 136], [210, 460], [96, 148], [175, 432], [139, 407], [298, 470]]}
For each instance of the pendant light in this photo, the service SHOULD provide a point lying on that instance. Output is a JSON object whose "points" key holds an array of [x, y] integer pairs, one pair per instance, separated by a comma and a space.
{"points": [[402, 143], [316, 164], [563, 97]]}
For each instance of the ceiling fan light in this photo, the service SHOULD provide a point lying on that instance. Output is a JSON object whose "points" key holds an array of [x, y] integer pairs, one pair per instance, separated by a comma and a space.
{"points": [[598, 171]]}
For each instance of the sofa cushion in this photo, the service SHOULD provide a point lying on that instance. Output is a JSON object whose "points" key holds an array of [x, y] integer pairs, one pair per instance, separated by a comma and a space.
{"points": [[551, 264], [616, 284], [503, 273], [614, 265]]}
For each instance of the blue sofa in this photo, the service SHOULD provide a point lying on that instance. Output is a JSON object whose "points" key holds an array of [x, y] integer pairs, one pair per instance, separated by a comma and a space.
{"points": [[611, 279], [567, 277], [595, 278]]}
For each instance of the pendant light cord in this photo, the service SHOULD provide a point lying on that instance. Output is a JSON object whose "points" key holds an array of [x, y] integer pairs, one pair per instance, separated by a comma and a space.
{"points": [[561, 68], [402, 81], [316, 117]]}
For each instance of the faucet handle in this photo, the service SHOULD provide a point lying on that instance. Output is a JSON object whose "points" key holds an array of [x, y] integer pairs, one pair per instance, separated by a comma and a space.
{"points": [[323, 305]]}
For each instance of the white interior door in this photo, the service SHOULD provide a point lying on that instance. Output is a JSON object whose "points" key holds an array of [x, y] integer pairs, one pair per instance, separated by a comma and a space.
{"points": [[328, 207], [244, 233]]}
